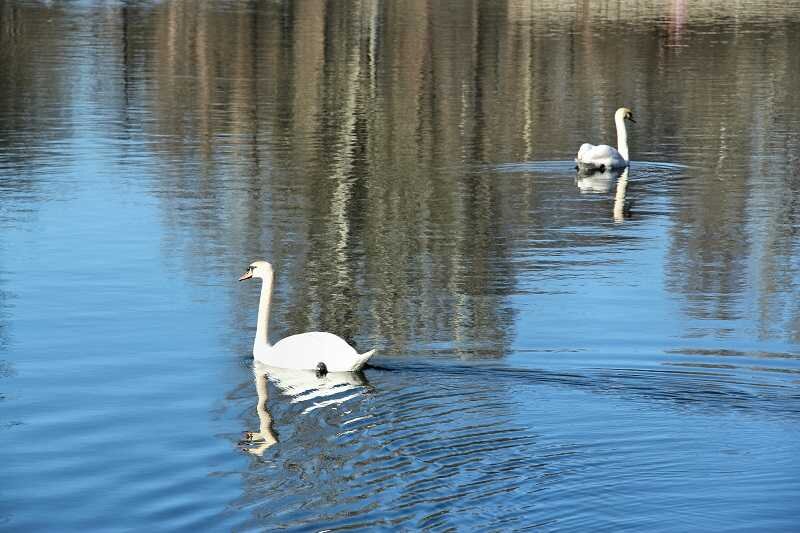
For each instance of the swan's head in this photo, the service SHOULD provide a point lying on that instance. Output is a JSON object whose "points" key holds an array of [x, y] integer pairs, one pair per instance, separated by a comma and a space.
{"points": [[625, 114], [257, 269]]}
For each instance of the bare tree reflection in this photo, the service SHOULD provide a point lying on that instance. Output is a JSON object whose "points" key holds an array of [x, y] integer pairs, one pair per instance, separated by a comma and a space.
{"points": [[340, 142]]}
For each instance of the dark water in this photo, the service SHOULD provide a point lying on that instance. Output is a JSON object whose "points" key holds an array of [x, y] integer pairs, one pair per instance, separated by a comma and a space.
{"points": [[561, 355]]}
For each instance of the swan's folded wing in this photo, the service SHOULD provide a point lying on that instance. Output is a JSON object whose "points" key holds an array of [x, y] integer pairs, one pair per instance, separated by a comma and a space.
{"points": [[583, 150], [600, 156], [307, 350], [600, 152]]}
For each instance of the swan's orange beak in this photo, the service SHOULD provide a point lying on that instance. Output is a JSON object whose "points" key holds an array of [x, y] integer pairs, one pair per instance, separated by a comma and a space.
{"points": [[246, 275]]}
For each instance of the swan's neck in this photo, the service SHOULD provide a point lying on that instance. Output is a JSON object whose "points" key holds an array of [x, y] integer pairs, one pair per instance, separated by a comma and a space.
{"points": [[263, 312], [622, 137]]}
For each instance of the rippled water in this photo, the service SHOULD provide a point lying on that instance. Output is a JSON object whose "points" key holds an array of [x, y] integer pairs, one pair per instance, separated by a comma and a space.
{"points": [[616, 352]]}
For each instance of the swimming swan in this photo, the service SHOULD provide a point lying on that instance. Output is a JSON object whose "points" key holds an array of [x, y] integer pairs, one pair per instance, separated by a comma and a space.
{"points": [[315, 350], [602, 157]]}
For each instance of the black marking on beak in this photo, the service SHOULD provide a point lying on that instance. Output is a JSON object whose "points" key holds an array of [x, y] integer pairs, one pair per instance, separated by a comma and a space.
{"points": [[248, 274]]}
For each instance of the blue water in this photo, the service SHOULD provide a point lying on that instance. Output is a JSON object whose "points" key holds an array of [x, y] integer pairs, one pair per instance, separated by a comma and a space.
{"points": [[553, 353]]}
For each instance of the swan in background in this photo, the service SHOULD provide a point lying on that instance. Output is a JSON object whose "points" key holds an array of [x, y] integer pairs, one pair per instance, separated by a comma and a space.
{"points": [[602, 157], [315, 350]]}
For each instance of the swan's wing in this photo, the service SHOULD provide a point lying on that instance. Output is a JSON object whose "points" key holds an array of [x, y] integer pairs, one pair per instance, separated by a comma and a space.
{"points": [[306, 350], [582, 151], [600, 152], [314, 339], [314, 342], [599, 157]]}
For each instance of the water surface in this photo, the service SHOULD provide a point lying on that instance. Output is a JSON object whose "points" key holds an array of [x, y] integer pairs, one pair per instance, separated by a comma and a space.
{"points": [[557, 352]]}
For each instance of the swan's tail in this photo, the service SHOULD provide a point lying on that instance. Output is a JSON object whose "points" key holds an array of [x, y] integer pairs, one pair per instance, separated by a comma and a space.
{"points": [[362, 359]]}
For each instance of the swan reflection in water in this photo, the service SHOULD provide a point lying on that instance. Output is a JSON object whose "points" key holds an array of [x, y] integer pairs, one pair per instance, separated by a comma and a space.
{"points": [[297, 386], [596, 182]]}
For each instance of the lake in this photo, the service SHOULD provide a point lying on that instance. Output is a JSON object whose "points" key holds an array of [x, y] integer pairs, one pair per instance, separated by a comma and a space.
{"points": [[555, 351]]}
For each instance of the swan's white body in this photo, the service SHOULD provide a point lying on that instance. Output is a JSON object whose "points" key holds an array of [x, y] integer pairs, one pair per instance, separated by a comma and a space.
{"points": [[603, 157], [304, 351]]}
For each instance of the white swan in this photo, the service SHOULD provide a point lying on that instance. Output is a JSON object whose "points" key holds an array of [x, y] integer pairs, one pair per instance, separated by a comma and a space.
{"points": [[602, 157], [316, 350]]}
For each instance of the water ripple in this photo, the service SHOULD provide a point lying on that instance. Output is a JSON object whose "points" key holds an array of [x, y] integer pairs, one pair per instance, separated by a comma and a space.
{"points": [[418, 456]]}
